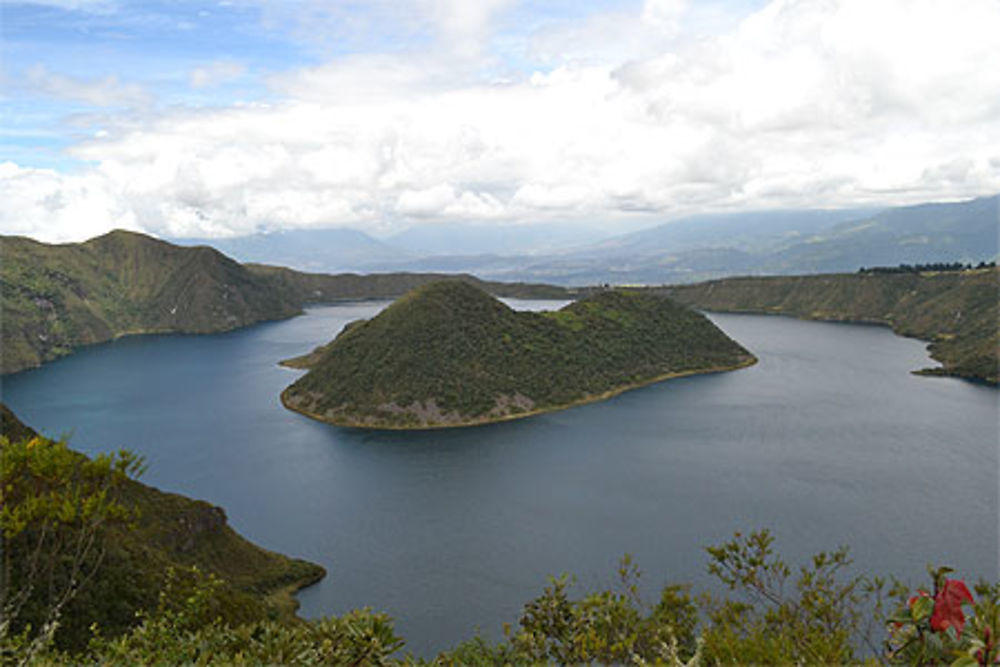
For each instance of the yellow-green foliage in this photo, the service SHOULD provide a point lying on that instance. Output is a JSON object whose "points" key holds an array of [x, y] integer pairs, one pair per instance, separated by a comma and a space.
{"points": [[452, 344], [56, 509], [187, 627], [63, 515], [957, 311]]}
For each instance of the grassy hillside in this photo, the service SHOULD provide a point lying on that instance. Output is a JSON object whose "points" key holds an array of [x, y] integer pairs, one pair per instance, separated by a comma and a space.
{"points": [[56, 298], [172, 531], [956, 311], [448, 354], [60, 297]]}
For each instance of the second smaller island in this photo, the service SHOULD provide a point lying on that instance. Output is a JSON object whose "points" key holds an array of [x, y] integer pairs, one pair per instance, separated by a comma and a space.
{"points": [[448, 354]]}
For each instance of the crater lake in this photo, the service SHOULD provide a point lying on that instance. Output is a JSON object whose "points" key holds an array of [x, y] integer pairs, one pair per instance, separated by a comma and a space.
{"points": [[828, 440]]}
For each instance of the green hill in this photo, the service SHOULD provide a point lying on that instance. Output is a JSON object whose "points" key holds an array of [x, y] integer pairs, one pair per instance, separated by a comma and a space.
{"points": [[448, 354], [59, 297], [56, 298], [957, 311], [172, 531]]}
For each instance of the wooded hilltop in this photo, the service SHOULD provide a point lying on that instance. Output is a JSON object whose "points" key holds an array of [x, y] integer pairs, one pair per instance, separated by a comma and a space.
{"points": [[448, 354]]}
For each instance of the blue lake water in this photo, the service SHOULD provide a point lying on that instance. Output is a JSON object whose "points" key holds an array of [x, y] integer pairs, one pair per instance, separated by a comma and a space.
{"points": [[829, 440]]}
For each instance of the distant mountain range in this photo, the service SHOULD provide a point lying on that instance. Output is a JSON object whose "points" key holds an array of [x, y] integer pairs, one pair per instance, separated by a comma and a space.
{"points": [[317, 250], [686, 250]]}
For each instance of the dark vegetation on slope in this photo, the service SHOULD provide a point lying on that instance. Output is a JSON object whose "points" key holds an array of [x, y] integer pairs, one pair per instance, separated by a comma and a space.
{"points": [[56, 298], [59, 297], [957, 311], [165, 532], [449, 354], [324, 288]]}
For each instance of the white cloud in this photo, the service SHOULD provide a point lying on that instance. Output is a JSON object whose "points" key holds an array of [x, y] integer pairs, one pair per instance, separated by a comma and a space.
{"points": [[427, 202], [664, 15], [213, 74], [803, 103], [464, 25], [50, 206], [107, 91]]}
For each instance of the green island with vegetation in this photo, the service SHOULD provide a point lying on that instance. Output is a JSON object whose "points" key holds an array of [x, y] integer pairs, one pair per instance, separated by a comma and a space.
{"points": [[57, 298], [956, 311], [83, 583], [448, 354]]}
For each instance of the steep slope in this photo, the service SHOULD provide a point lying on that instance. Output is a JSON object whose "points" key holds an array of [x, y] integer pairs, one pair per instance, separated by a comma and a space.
{"points": [[956, 311], [59, 297], [56, 298], [172, 531], [448, 354]]}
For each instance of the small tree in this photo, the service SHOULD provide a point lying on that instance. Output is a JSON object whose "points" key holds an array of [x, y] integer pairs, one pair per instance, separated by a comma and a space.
{"points": [[54, 506], [815, 617]]}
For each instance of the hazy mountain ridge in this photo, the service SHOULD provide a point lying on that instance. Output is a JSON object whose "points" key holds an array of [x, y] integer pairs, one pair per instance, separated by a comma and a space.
{"points": [[691, 249], [956, 311], [311, 250], [448, 354], [783, 243], [961, 231]]}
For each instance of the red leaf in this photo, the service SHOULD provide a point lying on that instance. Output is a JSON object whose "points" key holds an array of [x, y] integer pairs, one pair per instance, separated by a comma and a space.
{"points": [[948, 606]]}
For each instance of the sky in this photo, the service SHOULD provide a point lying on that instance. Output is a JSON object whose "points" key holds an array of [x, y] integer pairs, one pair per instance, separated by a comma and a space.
{"points": [[190, 118]]}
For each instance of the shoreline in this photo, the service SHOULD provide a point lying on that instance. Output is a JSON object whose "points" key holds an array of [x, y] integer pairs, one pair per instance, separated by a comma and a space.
{"points": [[934, 371], [284, 598], [485, 421]]}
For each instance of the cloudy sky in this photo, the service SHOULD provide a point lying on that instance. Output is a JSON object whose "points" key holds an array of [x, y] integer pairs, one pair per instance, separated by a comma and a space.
{"points": [[197, 118]]}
